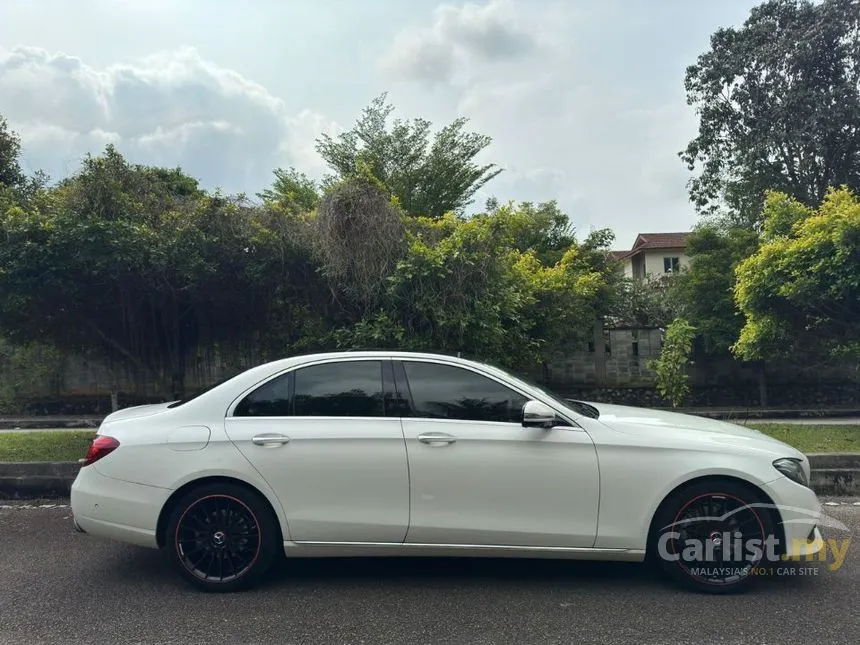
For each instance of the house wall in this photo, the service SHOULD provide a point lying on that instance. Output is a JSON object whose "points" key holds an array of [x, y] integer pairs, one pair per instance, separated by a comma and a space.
{"points": [[654, 260], [628, 268]]}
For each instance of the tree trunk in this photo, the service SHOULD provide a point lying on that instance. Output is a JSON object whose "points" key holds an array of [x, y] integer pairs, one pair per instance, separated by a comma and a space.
{"points": [[114, 400], [762, 385], [177, 386]]}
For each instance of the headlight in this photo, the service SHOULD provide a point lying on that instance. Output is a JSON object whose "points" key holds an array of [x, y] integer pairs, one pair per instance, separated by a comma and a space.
{"points": [[793, 469]]}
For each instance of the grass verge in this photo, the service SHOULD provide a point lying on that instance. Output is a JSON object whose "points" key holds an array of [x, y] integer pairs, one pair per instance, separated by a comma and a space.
{"points": [[71, 446], [814, 438], [45, 446]]}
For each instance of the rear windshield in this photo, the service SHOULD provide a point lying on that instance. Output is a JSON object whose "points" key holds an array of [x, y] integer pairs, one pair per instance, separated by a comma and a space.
{"points": [[176, 404]]}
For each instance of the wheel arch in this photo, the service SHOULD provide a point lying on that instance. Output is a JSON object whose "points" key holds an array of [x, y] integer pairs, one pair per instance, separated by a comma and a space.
{"points": [[773, 511], [170, 503]]}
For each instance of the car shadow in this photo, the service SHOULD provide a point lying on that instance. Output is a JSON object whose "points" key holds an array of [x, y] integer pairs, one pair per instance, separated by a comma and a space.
{"points": [[151, 568], [457, 570]]}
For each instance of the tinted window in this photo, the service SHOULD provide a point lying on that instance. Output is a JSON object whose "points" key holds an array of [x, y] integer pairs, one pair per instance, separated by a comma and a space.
{"points": [[348, 389], [271, 399], [445, 392]]}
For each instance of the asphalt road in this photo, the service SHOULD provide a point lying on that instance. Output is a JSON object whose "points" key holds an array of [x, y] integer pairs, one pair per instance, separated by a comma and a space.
{"points": [[57, 586]]}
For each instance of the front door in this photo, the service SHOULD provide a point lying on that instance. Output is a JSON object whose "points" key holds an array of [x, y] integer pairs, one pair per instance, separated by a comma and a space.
{"points": [[478, 477], [321, 438]]}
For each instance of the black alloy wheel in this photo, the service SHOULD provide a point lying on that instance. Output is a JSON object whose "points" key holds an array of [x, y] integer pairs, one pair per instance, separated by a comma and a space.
{"points": [[222, 537], [715, 537]]}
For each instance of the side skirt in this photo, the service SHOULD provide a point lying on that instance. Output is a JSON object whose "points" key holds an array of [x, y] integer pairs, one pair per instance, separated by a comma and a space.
{"points": [[413, 550]]}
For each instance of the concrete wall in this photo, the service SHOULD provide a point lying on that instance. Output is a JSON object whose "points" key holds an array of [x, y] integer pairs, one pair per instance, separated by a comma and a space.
{"points": [[611, 367], [616, 356]]}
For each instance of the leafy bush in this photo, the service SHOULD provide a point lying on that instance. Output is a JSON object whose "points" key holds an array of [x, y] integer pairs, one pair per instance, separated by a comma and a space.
{"points": [[671, 367]]}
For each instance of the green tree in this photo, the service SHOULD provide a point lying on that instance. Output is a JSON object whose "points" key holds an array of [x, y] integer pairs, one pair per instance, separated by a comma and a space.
{"points": [[466, 285], [671, 367], [545, 230], [801, 289], [429, 175], [645, 303], [137, 265], [704, 292], [11, 175], [293, 191], [778, 102]]}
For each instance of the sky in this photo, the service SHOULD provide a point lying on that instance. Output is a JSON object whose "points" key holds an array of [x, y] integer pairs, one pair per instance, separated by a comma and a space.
{"points": [[584, 100]]}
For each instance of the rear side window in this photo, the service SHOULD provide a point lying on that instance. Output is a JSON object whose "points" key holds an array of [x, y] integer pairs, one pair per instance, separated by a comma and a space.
{"points": [[348, 389], [448, 392], [271, 399]]}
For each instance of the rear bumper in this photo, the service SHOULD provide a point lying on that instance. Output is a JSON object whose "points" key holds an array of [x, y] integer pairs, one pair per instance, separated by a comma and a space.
{"points": [[116, 509]]}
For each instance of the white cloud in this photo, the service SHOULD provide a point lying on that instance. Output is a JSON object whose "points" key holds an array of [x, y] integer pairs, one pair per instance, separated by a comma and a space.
{"points": [[458, 36], [565, 124], [169, 108]]}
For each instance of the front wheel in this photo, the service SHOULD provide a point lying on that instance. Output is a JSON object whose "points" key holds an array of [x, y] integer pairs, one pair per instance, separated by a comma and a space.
{"points": [[713, 536], [222, 537]]}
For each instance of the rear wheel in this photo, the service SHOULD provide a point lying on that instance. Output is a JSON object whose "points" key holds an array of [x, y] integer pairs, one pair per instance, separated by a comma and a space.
{"points": [[712, 536], [222, 537]]}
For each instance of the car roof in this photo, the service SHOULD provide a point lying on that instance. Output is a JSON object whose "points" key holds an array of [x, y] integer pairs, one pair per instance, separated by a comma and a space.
{"points": [[377, 353], [254, 375]]}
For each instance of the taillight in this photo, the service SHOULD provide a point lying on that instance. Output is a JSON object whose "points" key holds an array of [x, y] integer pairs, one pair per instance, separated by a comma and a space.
{"points": [[101, 447]]}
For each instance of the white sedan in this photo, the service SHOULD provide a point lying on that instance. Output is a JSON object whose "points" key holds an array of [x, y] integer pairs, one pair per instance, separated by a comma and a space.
{"points": [[404, 454]]}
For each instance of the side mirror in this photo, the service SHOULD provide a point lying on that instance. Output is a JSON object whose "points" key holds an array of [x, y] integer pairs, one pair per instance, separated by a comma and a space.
{"points": [[538, 415]]}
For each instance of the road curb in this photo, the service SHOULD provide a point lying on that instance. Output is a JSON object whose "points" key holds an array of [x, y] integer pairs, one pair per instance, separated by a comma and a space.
{"points": [[836, 474], [35, 480]]}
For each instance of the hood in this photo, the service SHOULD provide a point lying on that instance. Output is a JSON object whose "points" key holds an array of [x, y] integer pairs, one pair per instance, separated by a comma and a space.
{"points": [[624, 417], [135, 412], [690, 430]]}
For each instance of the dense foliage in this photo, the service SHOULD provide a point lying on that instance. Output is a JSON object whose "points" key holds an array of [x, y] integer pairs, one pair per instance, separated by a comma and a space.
{"points": [[139, 265], [802, 287], [141, 268]]}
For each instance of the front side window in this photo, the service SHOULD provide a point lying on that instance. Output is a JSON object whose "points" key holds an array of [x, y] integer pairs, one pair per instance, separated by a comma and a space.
{"points": [[348, 389], [448, 392]]}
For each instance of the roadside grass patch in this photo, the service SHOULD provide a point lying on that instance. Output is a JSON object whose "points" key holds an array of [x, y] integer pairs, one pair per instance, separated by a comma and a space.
{"points": [[73, 445], [814, 438], [45, 446]]}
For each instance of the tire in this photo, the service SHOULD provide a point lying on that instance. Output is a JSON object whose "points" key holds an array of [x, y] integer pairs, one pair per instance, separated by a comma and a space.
{"points": [[222, 537], [709, 513]]}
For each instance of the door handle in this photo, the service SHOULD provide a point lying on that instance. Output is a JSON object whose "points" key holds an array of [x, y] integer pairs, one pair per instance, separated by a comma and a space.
{"points": [[436, 437], [270, 440]]}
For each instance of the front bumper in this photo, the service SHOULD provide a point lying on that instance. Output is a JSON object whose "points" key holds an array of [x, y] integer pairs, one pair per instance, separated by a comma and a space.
{"points": [[116, 509], [800, 512]]}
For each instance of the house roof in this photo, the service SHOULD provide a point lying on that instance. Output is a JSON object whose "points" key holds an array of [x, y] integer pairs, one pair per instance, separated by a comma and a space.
{"points": [[646, 241], [661, 241]]}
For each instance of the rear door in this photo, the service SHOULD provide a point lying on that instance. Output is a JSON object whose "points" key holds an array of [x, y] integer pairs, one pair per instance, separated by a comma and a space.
{"points": [[330, 444]]}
